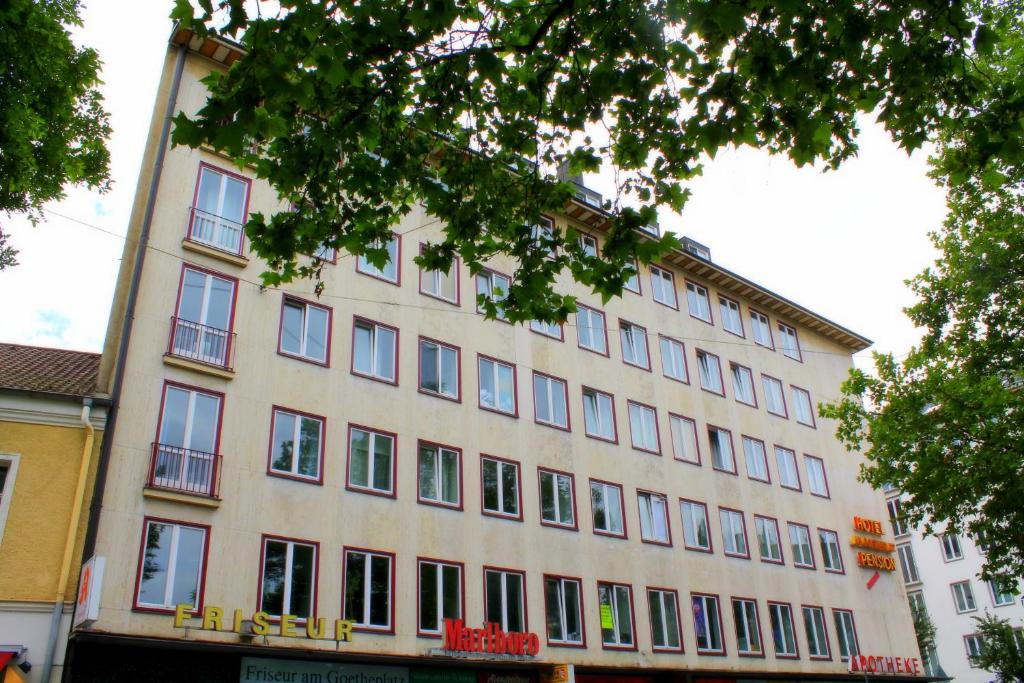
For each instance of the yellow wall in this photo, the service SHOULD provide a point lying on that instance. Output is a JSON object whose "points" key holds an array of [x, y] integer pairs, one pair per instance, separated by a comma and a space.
{"points": [[41, 506]]}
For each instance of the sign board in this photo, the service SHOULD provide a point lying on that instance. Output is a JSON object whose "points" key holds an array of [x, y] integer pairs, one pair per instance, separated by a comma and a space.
{"points": [[489, 640], [262, 669], [870, 558], [90, 588], [892, 666], [214, 618], [442, 676], [606, 617]]}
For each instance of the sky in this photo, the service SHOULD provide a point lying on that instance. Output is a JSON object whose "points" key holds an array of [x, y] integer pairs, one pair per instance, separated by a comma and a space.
{"points": [[840, 243]]}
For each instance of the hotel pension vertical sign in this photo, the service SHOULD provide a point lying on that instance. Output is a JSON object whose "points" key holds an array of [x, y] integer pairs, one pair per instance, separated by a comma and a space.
{"points": [[870, 556]]}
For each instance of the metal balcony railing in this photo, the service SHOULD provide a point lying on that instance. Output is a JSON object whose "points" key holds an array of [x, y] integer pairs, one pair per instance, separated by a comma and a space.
{"points": [[201, 343], [185, 470], [215, 231]]}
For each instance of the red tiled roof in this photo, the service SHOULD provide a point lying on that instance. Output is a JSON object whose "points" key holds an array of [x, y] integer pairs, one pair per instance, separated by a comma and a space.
{"points": [[56, 371]]}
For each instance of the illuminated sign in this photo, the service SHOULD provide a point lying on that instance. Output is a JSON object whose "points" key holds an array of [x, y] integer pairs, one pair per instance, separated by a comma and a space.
{"points": [[87, 606], [262, 624], [488, 640], [873, 664], [867, 559]]}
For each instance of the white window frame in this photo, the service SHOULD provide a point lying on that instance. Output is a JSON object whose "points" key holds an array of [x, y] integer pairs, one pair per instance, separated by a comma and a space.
{"points": [[767, 530], [697, 297], [743, 384], [172, 566], [688, 512], [517, 495], [615, 591], [663, 287], [789, 342], [643, 427], [564, 609], [632, 283], [431, 282], [634, 345], [799, 538], [1000, 596], [748, 618], [220, 225], [654, 521], [588, 243], [908, 564], [557, 478], [605, 416], [720, 443], [552, 330], [363, 621], [440, 566], [973, 646], [438, 452], [504, 574], [606, 489], [684, 434], [831, 552], [544, 229], [774, 398], [963, 597], [707, 631], [495, 405], [817, 479], [591, 330], [710, 381], [9, 461], [785, 461], [734, 532], [732, 316], [782, 613], [951, 548], [668, 609], [371, 461], [754, 451], [816, 631], [394, 248], [846, 633], [441, 365], [286, 598], [299, 418], [803, 408], [673, 359], [303, 334], [545, 394], [759, 324], [486, 281], [374, 329]]}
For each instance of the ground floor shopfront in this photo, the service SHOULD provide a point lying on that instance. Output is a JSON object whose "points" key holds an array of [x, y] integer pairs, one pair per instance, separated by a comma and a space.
{"points": [[101, 658]]}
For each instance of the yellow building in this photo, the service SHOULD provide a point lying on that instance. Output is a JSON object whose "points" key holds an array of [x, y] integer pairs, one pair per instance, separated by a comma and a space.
{"points": [[379, 484], [51, 424]]}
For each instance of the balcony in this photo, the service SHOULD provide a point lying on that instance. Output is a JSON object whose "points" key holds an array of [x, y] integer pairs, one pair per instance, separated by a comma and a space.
{"points": [[178, 470], [202, 345], [215, 236]]}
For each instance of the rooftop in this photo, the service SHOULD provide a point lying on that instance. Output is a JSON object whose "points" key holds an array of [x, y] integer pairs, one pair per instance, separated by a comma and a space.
{"points": [[52, 371]]}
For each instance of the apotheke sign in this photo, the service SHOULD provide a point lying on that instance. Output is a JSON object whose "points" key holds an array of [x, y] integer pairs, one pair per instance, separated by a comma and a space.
{"points": [[892, 666]]}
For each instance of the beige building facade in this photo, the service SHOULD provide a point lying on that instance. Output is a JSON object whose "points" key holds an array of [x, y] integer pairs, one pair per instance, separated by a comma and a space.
{"points": [[644, 492]]}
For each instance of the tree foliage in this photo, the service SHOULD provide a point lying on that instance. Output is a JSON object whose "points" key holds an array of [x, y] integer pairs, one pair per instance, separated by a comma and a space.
{"points": [[53, 129], [946, 423], [355, 111], [924, 628], [1001, 652]]}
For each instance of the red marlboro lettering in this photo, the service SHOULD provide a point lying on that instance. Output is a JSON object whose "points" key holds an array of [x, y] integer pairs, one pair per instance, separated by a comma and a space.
{"points": [[489, 639]]}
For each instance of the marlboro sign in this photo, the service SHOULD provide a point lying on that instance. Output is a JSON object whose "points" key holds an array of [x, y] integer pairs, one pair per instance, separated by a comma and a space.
{"points": [[488, 640]]}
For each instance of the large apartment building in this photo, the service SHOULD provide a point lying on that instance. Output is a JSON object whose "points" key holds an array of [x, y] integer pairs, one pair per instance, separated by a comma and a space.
{"points": [[379, 483]]}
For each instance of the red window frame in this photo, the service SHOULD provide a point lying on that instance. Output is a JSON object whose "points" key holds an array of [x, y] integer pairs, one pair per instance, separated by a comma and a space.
{"points": [[186, 265], [419, 367], [271, 472], [742, 334], [792, 625], [519, 488], [824, 627], [813, 424], [743, 523], [782, 393], [458, 283], [316, 572], [768, 321], [615, 422], [565, 395], [507, 570], [490, 272], [696, 438], [757, 620], [390, 630], [679, 621], [750, 373], [639, 281], [796, 468], [668, 518], [583, 621], [824, 475], [796, 337], [647, 346], [686, 364], [657, 427], [420, 633], [707, 295], [572, 493], [398, 264], [245, 210], [632, 615], [707, 521], [561, 332], [721, 380], [198, 608], [191, 387], [672, 279], [732, 447], [330, 331], [764, 449], [357, 321], [515, 386], [622, 508], [604, 331], [778, 535], [842, 564], [721, 626], [436, 503], [853, 623], [349, 486], [810, 544]]}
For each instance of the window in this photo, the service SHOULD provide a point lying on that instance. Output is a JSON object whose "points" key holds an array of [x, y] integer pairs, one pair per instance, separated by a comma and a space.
{"points": [[800, 544], [1002, 592], [917, 603], [768, 543], [500, 487], [390, 270], [550, 403], [951, 547], [371, 461], [748, 627], [732, 321], [591, 332], [289, 428], [696, 528], [643, 427], [817, 636], [557, 499], [440, 284], [785, 460], [722, 457], [673, 359], [606, 504], [734, 533], [632, 283], [201, 328], [553, 330], [684, 438], [783, 633], [663, 287], [817, 483], [172, 571], [440, 586], [697, 302], [564, 611], [973, 644], [369, 583], [802, 406], [325, 253], [615, 603], [895, 508], [831, 556], [221, 207], [963, 595], [710, 370], [743, 384], [762, 329], [788, 342], [542, 235], [707, 624], [439, 369], [774, 401], [589, 244], [846, 633], [288, 577], [305, 331], [439, 475], [497, 386], [599, 414], [757, 461], [634, 345], [907, 563], [492, 287], [375, 351], [664, 613], [8, 472], [188, 439], [654, 518], [505, 599]]}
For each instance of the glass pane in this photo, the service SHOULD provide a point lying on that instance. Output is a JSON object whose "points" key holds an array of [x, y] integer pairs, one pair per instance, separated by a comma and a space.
{"points": [[449, 372], [713, 624], [206, 413], [303, 566], [355, 577], [155, 564], [234, 199], [553, 609], [514, 598], [671, 619], [494, 597], [490, 475], [193, 289], [573, 626], [309, 447], [448, 282], [218, 307], [380, 590], [291, 328], [428, 597], [284, 441], [739, 618], [487, 388], [428, 472], [450, 477], [209, 191], [547, 497], [564, 500], [506, 389], [604, 597], [275, 554], [625, 623], [382, 447], [597, 503], [614, 511], [540, 397], [428, 367], [510, 489], [450, 591], [657, 619], [362, 358], [385, 353], [359, 465], [172, 426], [188, 566], [590, 413], [558, 403], [316, 333]]}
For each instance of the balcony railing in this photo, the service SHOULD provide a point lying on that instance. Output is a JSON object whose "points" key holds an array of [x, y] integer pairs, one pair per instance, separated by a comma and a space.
{"points": [[201, 343], [215, 231], [184, 470]]}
